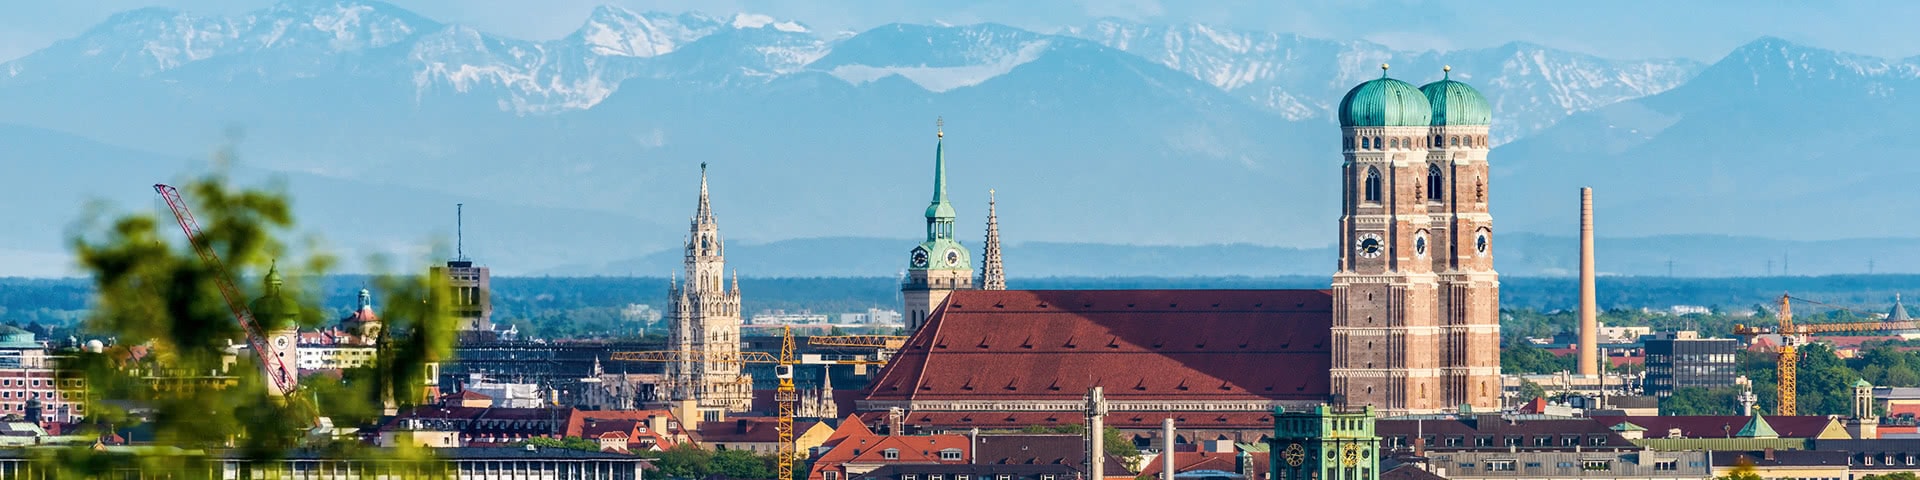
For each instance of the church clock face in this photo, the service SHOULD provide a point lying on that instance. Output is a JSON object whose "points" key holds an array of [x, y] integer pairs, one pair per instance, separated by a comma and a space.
{"points": [[1350, 456], [1369, 245], [1295, 455], [1420, 244], [919, 257], [953, 257], [1480, 243]]}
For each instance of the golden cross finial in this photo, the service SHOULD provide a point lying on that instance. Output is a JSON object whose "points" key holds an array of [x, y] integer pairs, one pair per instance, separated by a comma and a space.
{"points": [[939, 126], [1383, 70], [1446, 71]]}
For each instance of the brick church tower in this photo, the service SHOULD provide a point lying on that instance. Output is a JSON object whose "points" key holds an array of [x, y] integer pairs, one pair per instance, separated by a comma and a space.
{"points": [[1416, 307]]}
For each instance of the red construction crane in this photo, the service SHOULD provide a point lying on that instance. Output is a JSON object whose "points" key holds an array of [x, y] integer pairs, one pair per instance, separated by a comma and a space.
{"points": [[281, 381]]}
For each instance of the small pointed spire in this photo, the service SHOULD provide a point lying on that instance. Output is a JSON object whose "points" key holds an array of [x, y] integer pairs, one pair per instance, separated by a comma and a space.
{"points": [[736, 281], [992, 277], [366, 299], [273, 277], [705, 213]]}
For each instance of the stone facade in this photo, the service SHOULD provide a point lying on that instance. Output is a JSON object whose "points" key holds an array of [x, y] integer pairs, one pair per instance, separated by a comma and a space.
{"points": [[1416, 317], [706, 326]]}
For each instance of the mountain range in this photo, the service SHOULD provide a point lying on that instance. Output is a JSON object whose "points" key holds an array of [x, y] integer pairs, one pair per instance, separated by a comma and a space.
{"points": [[575, 153]]}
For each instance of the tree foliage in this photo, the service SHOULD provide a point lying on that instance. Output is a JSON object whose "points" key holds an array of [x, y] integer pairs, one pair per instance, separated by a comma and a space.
{"points": [[168, 369]]}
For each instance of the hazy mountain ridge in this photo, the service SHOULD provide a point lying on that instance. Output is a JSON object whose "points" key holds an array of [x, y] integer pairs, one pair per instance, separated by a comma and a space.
{"points": [[1090, 139], [1302, 78]]}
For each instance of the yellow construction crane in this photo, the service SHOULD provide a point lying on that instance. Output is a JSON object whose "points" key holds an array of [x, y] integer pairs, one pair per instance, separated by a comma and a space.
{"points": [[1793, 335], [883, 342], [785, 396]]}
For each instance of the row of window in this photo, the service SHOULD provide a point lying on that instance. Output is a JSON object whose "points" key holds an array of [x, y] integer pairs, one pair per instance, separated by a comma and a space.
{"points": [[963, 476], [1600, 465], [1377, 143], [1508, 441], [1435, 191], [38, 382]]}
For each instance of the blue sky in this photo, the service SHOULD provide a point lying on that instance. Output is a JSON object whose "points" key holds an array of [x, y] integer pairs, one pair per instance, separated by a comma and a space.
{"points": [[1702, 30]]}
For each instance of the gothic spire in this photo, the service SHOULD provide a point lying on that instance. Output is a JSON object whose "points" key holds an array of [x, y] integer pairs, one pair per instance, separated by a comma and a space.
{"points": [[991, 276], [705, 213], [939, 211]]}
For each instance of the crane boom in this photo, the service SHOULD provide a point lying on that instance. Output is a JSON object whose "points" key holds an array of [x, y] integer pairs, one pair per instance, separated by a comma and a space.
{"points": [[1793, 335], [280, 382]]}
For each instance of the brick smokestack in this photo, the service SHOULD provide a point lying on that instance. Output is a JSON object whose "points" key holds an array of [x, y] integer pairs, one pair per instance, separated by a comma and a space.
{"points": [[1589, 362]]}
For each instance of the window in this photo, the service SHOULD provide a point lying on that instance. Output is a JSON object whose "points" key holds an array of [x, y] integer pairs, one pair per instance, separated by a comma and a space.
{"points": [[1373, 185], [1003, 476], [962, 476], [1366, 143], [1453, 441], [1569, 441], [1513, 441], [908, 476], [1533, 464], [1597, 440], [830, 475], [1393, 142], [1046, 476], [1543, 441], [1483, 441], [1500, 465], [951, 454], [1568, 465], [1456, 140], [1436, 184], [1596, 465], [936, 476], [1666, 465], [891, 454]]}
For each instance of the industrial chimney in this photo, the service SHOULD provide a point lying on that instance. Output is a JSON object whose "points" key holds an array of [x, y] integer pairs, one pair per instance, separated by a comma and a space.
{"points": [[1166, 452], [1589, 363]]}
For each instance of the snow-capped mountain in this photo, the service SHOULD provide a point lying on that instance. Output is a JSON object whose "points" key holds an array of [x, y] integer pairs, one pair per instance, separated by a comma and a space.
{"points": [[1126, 133], [1304, 78]]}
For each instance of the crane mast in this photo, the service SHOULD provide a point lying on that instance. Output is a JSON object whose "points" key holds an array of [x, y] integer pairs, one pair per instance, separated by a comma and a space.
{"points": [[280, 381], [1793, 335]]}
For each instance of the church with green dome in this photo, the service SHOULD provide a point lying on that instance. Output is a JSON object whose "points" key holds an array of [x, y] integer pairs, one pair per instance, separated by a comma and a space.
{"points": [[1416, 300]]}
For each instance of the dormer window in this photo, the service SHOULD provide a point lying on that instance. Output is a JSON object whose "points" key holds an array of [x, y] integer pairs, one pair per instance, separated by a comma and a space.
{"points": [[891, 454], [951, 455]]}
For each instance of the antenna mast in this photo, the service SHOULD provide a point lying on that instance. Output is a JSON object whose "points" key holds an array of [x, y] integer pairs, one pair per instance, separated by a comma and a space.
{"points": [[460, 231]]}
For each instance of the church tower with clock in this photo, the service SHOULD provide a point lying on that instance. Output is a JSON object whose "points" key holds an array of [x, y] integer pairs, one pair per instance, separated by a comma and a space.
{"points": [[939, 265], [1416, 308]]}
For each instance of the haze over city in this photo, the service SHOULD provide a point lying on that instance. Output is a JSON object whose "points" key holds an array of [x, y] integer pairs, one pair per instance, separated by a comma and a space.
{"points": [[976, 240]]}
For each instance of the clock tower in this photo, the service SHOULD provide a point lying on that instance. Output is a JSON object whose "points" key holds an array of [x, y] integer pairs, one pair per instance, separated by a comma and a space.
{"points": [[1462, 230], [1386, 333], [939, 265], [1324, 444]]}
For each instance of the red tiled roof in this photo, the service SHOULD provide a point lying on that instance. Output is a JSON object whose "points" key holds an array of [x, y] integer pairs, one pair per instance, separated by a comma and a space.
{"points": [[1121, 420], [1138, 344], [1222, 461], [581, 422], [1722, 426]]}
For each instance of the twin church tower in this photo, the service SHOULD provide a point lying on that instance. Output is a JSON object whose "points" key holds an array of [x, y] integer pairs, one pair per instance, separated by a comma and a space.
{"points": [[1416, 321]]}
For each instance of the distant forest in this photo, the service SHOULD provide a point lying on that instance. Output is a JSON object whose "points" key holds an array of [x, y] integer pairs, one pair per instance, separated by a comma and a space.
{"points": [[553, 307]]}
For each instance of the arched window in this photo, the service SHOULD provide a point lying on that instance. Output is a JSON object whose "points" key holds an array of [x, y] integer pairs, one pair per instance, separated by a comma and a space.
{"points": [[1434, 183], [1393, 142], [1438, 141], [1373, 185], [1456, 140], [1377, 144], [1366, 143]]}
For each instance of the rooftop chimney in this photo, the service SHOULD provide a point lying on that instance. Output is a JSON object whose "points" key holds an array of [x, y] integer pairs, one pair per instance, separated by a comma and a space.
{"points": [[1166, 453], [1589, 362]]}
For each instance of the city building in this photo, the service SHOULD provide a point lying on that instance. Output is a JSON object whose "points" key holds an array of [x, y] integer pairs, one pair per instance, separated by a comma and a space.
{"points": [[1782, 464], [1323, 442], [1682, 359], [29, 384], [1416, 300], [940, 265], [854, 450], [472, 289], [1518, 464], [454, 464], [706, 382], [1495, 432]]}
